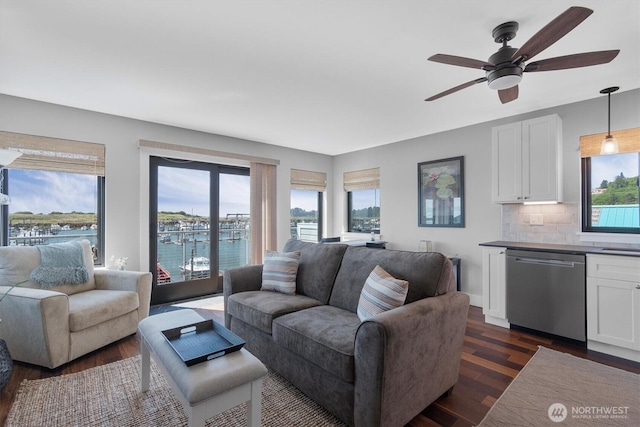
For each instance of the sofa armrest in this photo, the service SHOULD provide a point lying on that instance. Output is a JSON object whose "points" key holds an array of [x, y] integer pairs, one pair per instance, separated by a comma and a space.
{"points": [[240, 279], [407, 357], [35, 325], [134, 281]]}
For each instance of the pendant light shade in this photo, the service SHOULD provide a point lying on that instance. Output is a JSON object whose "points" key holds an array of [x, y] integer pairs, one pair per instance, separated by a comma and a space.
{"points": [[6, 157], [609, 143]]}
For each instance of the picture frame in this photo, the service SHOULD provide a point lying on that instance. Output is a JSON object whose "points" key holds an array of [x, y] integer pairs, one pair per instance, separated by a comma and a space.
{"points": [[441, 193]]}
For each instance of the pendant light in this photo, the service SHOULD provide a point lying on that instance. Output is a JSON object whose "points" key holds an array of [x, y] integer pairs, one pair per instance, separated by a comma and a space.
{"points": [[609, 143], [6, 157]]}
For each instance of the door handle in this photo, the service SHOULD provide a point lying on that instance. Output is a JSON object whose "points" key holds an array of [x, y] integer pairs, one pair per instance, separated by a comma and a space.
{"points": [[552, 262]]}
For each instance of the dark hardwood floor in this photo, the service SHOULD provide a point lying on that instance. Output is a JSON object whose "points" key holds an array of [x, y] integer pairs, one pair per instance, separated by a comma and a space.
{"points": [[491, 358]]}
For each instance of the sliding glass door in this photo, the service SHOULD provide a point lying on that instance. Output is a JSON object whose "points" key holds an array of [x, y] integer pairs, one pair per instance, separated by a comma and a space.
{"points": [[188, 231]]}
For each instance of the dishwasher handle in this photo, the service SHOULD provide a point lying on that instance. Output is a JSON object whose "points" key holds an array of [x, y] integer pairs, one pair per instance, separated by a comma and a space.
{"points": [[551, 262]]}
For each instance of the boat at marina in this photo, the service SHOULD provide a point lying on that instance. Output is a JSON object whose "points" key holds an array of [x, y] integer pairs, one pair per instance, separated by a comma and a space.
{"points": [[162, 275], [196, 267]]}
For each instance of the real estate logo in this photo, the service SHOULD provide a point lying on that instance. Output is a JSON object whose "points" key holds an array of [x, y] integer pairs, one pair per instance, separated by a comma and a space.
{"points": [[557, 412]]}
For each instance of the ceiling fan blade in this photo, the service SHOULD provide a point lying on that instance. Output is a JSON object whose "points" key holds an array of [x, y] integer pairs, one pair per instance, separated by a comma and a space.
{"points": [[573, 61], [457, 88], [460, 61], [553, 32], [508, 95]]}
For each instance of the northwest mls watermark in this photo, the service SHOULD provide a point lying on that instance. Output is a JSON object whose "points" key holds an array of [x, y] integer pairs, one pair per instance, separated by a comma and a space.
{"points": [[557, 412]]}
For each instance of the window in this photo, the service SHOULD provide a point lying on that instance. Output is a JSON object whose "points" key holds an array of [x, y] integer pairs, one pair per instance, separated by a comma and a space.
{"points": [[364, 211], [306, 213], [363, 200], [57, 192], [202, 216], [610, 187], [307, 190]]}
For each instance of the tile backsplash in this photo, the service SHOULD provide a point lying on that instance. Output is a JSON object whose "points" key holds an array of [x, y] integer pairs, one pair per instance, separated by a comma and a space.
{"points": [[558, 223]]}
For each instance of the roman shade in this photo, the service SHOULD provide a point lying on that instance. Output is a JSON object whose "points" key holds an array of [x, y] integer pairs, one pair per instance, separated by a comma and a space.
{"points": [[628, 142], [367, 179], [54, 154], [308, 180]]}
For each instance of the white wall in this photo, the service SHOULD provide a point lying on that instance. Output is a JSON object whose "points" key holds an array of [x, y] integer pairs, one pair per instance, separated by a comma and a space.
{"points": [[126, 180], [483, 219]]}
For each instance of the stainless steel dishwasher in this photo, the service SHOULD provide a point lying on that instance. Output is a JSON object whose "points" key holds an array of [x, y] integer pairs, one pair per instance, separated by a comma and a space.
{"points": [[546, 291]]}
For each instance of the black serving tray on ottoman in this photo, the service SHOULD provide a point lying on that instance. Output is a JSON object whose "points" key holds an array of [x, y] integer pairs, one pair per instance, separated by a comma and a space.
{"points": [[202, 341]]}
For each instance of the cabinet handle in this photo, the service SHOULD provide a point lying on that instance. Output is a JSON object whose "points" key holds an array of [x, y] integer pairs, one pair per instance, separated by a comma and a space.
{"points": [[518, 198], [525, 197], [502, 252], [637, 286]]}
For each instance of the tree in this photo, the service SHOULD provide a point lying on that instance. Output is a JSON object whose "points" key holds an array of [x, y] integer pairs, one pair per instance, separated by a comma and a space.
{"points": [[620, 181], [604, 184]]}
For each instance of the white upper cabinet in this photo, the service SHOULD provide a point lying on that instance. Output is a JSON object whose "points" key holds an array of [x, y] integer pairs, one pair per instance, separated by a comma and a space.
{"points": [[527, 161]]}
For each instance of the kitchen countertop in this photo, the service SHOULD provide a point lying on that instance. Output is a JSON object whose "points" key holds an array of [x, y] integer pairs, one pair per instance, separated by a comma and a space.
{"points": [[567, 249]]}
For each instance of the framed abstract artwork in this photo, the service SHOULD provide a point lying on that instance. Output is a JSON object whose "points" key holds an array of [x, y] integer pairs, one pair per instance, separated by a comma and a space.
{"points": [[441, 193]]}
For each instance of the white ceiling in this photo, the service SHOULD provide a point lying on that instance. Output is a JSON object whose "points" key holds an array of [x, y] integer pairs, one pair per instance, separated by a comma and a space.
{"points": [[323, 76]]}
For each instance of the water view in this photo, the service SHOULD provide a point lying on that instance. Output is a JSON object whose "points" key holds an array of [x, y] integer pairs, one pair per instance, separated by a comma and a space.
{"points": [[183, 250]]}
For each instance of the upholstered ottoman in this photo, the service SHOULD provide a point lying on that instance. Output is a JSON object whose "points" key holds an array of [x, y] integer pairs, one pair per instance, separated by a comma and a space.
{"points": [[204, 389]]}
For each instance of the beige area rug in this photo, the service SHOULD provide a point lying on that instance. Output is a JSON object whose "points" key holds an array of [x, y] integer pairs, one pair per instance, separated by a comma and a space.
{"points": [[560, 389], [110, 395]]}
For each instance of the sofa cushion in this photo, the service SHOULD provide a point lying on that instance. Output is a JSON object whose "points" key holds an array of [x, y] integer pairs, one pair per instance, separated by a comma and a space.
{"points": [[279, 272], [428, 273], [90, 308], [260, 308], [323, 335], [315, 279], [17, 263], [381, 292]]}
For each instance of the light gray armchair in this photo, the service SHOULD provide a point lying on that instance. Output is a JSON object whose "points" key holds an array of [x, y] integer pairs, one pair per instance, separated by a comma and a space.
{"points": [[50, 327]]}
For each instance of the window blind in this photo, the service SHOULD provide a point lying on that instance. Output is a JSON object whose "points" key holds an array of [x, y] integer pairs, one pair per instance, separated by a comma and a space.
{"points": [[367, 179], [54, 154], [308, 180], [628, 142]]}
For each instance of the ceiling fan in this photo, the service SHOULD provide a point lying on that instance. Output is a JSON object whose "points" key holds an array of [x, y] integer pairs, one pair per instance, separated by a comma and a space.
{"points": [[505, 67]]}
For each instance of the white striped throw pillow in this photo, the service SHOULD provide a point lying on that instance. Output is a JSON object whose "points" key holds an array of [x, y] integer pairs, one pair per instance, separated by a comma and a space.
{"points": [[381, 292], [279, 272]]}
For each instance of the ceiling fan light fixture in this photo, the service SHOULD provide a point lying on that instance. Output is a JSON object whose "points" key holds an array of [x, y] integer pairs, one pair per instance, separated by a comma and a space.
{"points": [[609, 143], [505, 82], [504, 78]]}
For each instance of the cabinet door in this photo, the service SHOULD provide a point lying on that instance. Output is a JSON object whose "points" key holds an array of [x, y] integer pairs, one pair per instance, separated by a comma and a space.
{"points": [[613, 312], [541, 159], [494, 284], [506, 152]]}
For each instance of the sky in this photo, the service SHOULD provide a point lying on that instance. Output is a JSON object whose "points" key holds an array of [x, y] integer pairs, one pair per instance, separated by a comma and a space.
{"points": [[180, 190], [188, 190], [608, 167], [46, 192]]}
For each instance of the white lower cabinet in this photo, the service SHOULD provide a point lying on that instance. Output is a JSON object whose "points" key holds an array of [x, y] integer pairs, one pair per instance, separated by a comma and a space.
{"points": [[494, 286], [613, 305]]}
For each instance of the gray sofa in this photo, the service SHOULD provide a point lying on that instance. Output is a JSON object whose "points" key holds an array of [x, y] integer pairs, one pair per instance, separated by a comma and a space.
{"points": [[50, 327], [379, 372]]}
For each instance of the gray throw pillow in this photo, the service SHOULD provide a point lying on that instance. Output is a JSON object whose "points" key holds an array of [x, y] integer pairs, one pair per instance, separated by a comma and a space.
{"points": [[381, 292], [279, 272]]}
